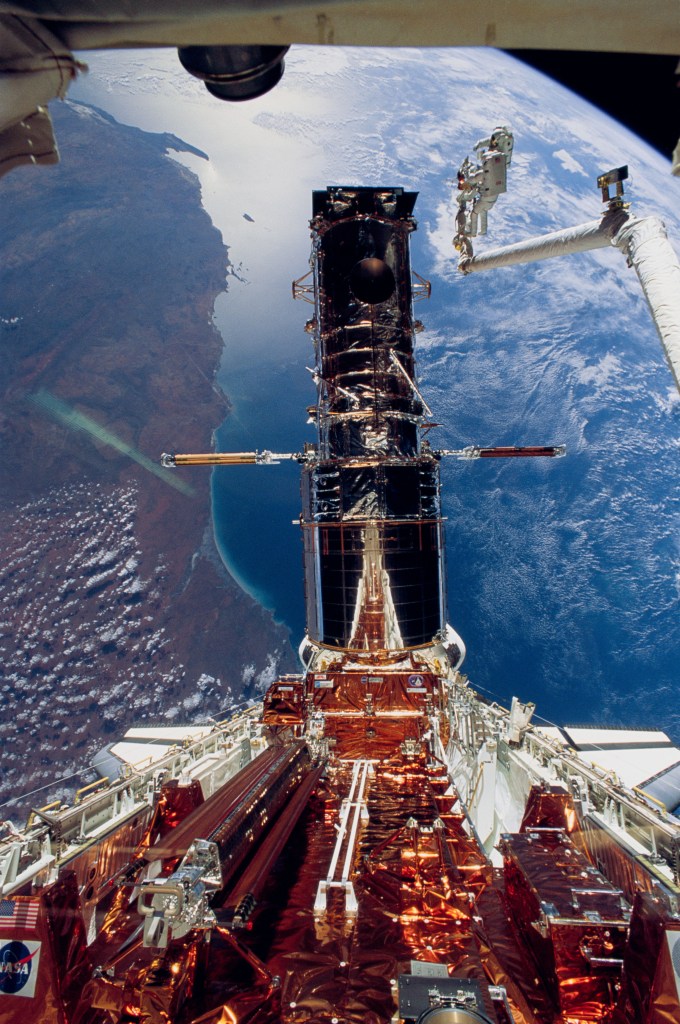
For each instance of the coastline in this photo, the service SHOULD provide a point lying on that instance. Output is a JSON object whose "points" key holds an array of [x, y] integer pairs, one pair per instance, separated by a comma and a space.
{"points": [[119, 612]]}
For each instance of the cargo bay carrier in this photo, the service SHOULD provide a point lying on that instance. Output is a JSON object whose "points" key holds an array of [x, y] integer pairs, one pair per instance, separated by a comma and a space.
{"points": [[375, 841]]}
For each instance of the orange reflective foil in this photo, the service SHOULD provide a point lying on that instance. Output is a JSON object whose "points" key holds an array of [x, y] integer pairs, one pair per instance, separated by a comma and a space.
{"points": [[44, 958], [424, 891], [151, 984], [175, 804], [665, 999], [284, 703], [588, 967], [551, 807], [373, 737], [380, 690], [504, 959], [413, 904], [570, 916], [31, 979], [649, 992]]}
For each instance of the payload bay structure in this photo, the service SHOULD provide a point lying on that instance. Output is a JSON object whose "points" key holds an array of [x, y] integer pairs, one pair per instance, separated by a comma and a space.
{"points": [[375, 842]]}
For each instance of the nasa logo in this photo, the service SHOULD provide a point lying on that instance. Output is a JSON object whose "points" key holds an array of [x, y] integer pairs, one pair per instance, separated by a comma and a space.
{"points": [[19, 968], [415, 680]]}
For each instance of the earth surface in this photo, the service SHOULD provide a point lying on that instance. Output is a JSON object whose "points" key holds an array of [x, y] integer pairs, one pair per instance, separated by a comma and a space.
{"points": [[564, 575], [115, 608]]}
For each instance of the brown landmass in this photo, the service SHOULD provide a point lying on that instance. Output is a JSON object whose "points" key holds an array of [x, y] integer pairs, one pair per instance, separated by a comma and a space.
{"points": [[115, 605]]}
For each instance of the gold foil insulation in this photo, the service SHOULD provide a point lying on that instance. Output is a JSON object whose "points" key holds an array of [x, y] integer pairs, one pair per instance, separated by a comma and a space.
{"points": [[550, 929], [570, 917]]}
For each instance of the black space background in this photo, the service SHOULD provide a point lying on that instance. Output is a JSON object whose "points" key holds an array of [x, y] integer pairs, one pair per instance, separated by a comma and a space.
{"points": [[640, 90]]}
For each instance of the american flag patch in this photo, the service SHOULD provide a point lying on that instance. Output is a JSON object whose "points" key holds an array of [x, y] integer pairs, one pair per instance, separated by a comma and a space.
{"points": [[18, 913]]}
